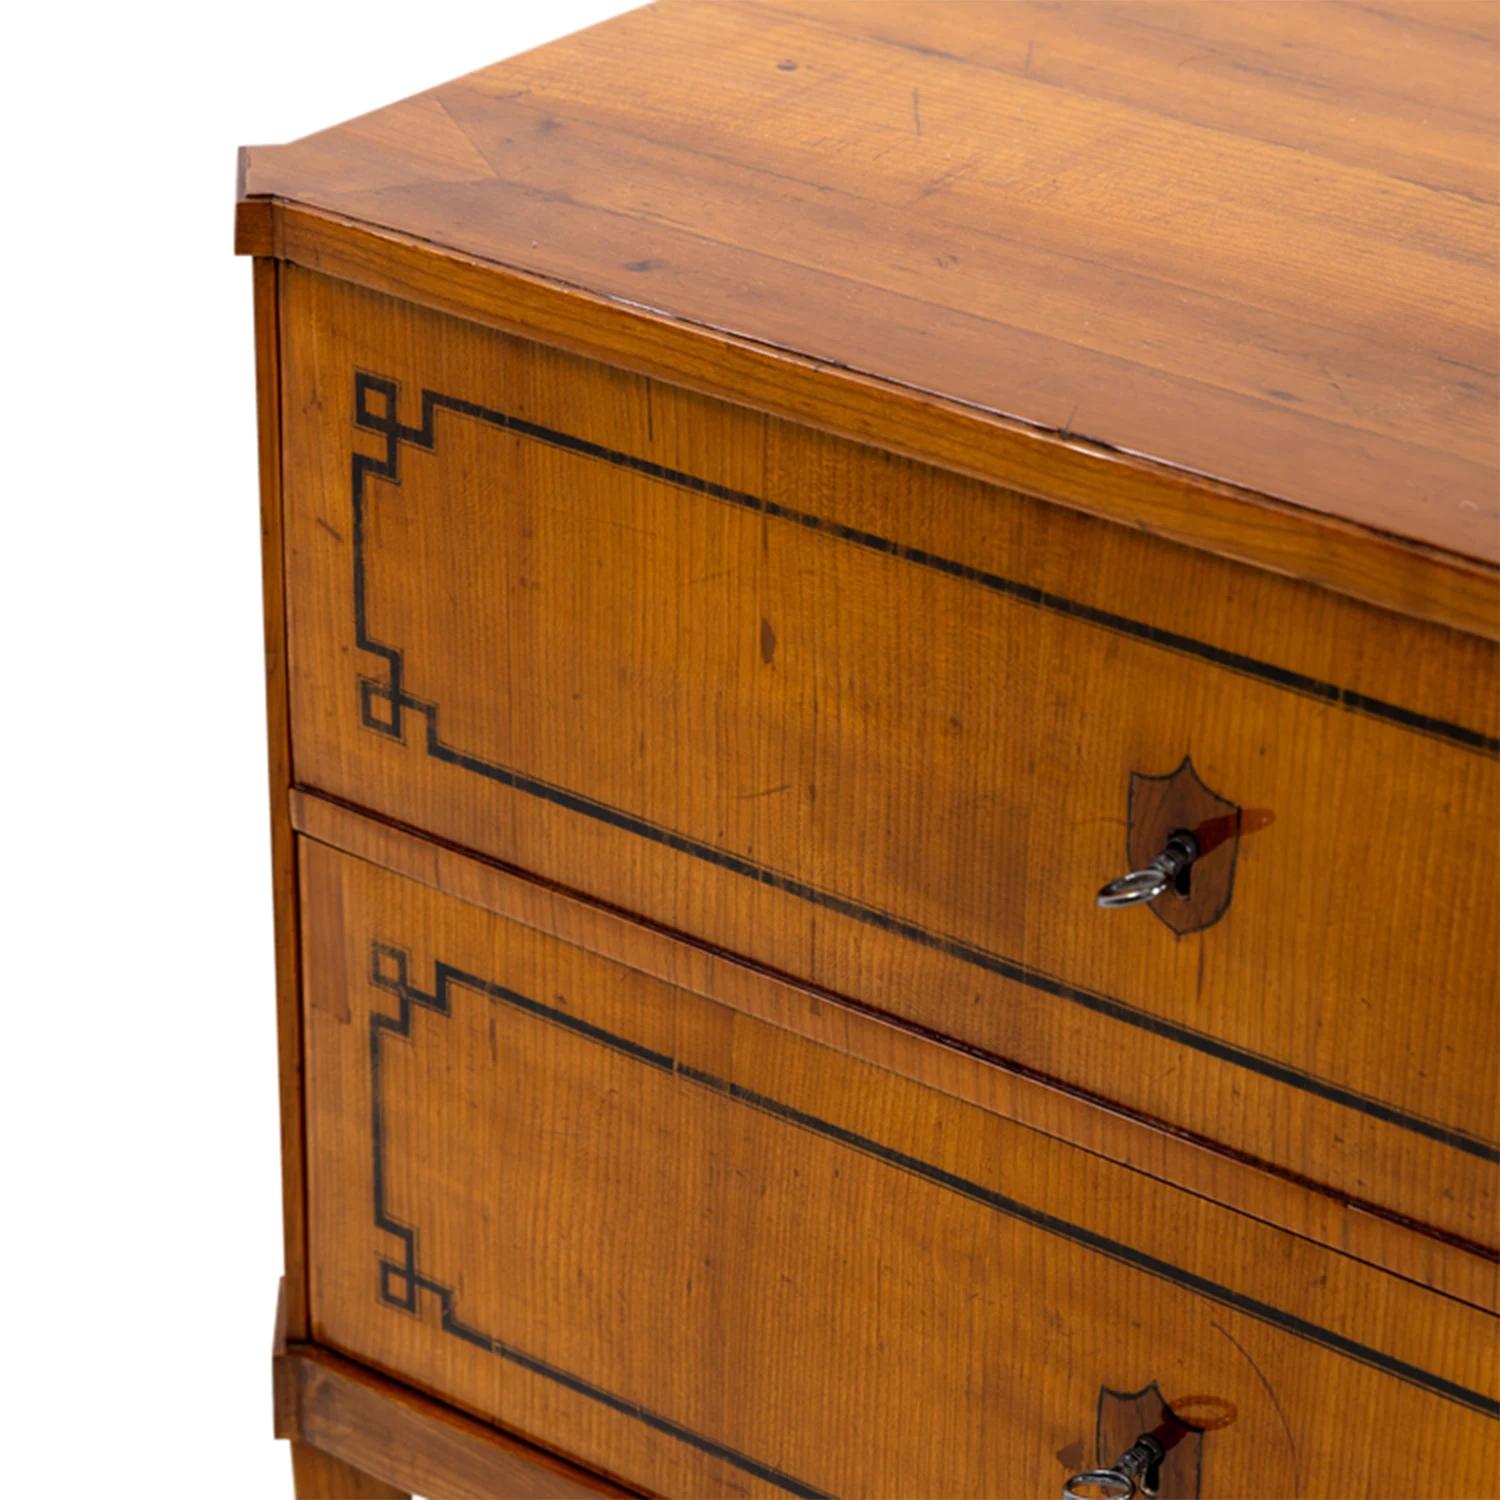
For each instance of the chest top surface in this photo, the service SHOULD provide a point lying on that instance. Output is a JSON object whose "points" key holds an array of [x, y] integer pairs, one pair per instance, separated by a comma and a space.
{"points": [[1252, 244]]}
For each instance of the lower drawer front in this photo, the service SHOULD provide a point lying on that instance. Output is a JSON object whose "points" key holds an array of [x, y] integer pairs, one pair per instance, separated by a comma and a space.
{"points": [[714, 1258]]}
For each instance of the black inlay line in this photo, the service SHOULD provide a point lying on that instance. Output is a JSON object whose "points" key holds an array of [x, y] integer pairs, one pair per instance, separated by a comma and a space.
{"points": [[389, 971], [395, 432], [385, 705], [401, 1282]]}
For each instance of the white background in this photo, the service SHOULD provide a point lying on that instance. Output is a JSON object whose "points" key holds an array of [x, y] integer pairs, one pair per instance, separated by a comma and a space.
{"points": [[141, 1208]]}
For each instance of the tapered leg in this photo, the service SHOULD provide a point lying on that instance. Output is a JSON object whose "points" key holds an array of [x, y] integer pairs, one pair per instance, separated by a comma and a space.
{"points": [[319, 1476]]}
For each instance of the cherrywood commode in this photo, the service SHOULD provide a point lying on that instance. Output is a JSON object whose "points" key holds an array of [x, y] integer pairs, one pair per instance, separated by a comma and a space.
{"points": [[767, 509]]}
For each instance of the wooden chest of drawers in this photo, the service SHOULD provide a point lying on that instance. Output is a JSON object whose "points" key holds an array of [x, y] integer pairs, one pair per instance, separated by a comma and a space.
{"points": [[768, 508]]}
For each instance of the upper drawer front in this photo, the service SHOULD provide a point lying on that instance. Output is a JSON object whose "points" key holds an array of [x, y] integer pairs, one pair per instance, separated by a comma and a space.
{"points": [[876, 726], [717, 1259]]}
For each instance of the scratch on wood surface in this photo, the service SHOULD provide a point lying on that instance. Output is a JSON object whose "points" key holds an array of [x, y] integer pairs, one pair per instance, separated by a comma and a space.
{"points": [[951, 175], [768, 791], [916, 110]]}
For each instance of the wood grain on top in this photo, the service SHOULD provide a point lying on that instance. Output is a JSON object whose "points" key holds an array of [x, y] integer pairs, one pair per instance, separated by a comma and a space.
{"points": [[1255, 243]]}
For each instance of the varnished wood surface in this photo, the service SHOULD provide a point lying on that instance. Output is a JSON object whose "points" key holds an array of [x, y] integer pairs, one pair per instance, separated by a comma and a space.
{"points": [[1252, 243], [1274, 1198], [317, 1475], [873, 725], [1229, 522], [844, 1148], [293, 1298], [340, 1416], [724, 1260], [423, 1446]]}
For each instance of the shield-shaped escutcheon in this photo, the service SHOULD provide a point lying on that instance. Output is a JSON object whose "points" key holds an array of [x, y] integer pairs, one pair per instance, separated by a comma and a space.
{"points": [[1181, 802]]}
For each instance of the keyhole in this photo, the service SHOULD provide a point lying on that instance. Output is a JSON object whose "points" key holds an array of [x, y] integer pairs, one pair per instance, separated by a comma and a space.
{"points": [[1182, 881]]}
